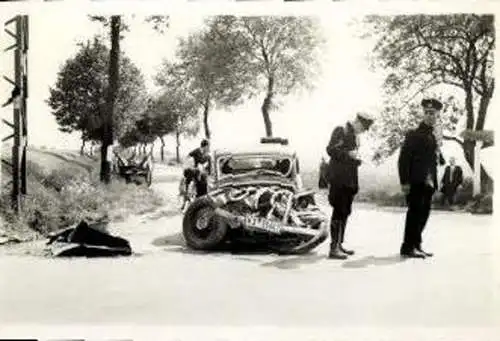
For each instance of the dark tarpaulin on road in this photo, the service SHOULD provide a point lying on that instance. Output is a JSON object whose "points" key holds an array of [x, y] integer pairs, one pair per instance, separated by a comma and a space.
{"points": [[87, 240]]}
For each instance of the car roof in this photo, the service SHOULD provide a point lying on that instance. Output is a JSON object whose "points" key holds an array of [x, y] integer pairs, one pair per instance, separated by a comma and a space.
{"points": [[267, 149]]}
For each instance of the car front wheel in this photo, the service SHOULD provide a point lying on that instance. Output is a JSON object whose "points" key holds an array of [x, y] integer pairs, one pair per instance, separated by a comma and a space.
{"points": [[201, 228]]}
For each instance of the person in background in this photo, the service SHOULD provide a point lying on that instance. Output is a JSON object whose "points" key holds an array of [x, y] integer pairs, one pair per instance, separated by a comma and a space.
{"points": [[417, 166], [323, 174], [452, 179], [343, 178], [201, 166]]}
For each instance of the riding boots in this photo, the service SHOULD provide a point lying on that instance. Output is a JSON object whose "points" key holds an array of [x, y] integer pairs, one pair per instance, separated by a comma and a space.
{"points": [[336, 235], [342, 233]]}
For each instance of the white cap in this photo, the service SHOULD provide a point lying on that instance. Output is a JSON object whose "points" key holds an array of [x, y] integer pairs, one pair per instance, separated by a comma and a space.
{"points": [[366, 116]]}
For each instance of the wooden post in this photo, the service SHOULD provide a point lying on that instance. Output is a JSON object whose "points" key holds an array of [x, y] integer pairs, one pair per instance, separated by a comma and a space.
{"points": [[19, 123]]}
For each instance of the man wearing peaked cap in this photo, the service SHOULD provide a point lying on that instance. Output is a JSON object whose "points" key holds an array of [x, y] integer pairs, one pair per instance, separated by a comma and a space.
{"points": [[365, 119], [343, 178], [417, 166], [432, 103]]}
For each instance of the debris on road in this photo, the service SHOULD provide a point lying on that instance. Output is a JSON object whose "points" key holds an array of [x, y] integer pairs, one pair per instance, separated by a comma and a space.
{"points": [[87, 240]]}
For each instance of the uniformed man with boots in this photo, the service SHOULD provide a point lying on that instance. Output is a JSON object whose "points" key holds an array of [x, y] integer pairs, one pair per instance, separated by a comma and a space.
{"points": [[343, 178], [417, 165]]}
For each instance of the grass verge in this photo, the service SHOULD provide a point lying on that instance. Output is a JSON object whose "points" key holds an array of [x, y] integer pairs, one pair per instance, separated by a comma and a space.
{"points": [[58, 198]]}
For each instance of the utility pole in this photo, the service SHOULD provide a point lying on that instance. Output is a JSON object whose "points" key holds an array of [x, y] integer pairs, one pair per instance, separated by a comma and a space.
{"points": [[19, 94]]}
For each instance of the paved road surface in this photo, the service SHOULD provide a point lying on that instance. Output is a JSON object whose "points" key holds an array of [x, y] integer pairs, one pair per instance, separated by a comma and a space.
{"points": [[167, 284]]}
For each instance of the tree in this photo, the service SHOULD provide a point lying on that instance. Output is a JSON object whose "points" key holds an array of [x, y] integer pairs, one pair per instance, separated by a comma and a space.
{"points": [[160, 122], [279, 53], [78, 96], [208, 70], [425, 53], [116, 27], [75, 98], [175, 113], [172, 112]]}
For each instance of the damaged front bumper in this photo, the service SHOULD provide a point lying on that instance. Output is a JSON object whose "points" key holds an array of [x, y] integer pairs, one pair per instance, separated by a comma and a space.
{"points": [[309, 235]]}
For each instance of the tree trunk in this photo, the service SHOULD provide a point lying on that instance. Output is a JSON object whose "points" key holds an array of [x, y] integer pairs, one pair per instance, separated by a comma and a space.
{"points": [[469, 107], [481, 113], [468, 146], [265, 114], [162, 149], [206, 109], [107, 139], [105, 164], [177, 146], [144, 145], [82, 148], [486, 180], [266, 107]]}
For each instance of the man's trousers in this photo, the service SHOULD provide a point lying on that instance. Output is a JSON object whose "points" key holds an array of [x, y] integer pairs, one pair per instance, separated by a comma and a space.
{"points": [[419, 207]]}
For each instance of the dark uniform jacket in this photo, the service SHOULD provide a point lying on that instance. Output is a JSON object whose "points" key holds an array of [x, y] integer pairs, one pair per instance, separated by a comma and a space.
{"points": [[342, 168], [418, 158]]}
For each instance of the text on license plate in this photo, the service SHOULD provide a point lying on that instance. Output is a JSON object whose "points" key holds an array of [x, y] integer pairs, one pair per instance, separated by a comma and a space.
{"points": [[262, 224]]}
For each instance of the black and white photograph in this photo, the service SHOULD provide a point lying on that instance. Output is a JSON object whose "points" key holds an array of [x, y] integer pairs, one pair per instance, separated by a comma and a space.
{"points": [[195, 169]]}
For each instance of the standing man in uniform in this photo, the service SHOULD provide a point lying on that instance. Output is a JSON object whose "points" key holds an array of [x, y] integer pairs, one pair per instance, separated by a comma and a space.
{"points": [[417, 167], [343, 178]]}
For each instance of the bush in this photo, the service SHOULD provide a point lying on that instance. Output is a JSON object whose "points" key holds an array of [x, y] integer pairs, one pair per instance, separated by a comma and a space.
{"points": [[481, 204], [465, 192], [60, 178]]}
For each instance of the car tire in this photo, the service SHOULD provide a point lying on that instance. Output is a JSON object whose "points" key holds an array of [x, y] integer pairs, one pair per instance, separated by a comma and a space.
{"points": [[213, 231]]}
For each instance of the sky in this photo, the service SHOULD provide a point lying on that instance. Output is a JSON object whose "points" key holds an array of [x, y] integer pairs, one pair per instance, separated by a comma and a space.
{"points": [[346, 85]]}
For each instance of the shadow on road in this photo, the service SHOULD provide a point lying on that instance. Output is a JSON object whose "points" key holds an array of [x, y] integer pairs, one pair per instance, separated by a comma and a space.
{"points": [[171, 240], [372, 260], [177, 240], [186, 250], [294, 262]]}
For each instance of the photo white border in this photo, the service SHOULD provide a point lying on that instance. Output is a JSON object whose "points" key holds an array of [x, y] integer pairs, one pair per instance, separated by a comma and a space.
{"points": [[167, 333]]}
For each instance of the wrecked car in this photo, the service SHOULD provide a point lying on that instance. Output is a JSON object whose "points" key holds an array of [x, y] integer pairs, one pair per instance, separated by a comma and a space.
{"points": [[256, 197]]}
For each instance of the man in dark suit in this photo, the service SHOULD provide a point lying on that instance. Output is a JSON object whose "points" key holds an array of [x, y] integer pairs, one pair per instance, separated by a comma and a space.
{"points": [[418, 177], [452, 178], [343, 178]]}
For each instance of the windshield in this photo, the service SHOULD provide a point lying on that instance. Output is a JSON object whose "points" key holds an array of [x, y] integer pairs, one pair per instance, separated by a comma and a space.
{"points": [[255, 165]]}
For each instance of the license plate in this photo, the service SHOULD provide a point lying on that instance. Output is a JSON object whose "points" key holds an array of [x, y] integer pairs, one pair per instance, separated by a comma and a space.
{"points": [[263, 224]]}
